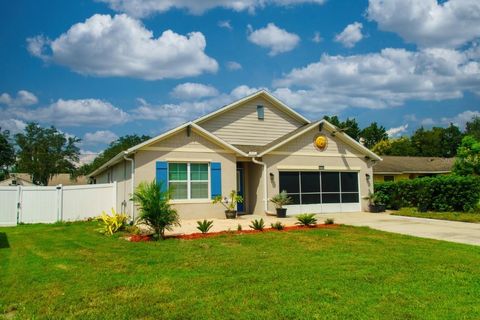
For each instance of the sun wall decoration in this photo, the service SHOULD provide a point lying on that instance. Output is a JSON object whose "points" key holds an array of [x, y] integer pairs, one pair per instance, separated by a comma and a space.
{"points": [[320, 142]]}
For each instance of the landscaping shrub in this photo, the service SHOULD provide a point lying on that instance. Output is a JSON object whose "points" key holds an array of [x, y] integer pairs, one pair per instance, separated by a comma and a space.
{"points": [[306, 219], [204, 226], [112, 223], [257, 224], [329, 221], [277, 225], [441, 193]]}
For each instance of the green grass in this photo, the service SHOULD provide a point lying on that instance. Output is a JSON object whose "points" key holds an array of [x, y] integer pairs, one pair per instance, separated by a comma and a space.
{"points": [[452, 216], [70, 271]]}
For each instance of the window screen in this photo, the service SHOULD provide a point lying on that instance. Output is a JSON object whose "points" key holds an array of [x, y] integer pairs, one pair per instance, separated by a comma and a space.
{"points": [[260, 112]]}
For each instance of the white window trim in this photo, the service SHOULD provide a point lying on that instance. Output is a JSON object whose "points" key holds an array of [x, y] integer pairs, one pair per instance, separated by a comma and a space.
{"points": [[189, 198]]}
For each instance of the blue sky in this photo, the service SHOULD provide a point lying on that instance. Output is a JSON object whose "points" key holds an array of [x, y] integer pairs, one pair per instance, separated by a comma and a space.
{"points": [[102, 69]]}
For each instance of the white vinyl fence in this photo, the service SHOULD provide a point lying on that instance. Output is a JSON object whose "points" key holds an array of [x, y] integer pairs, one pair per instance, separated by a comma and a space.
{"points": [[36, 204]]}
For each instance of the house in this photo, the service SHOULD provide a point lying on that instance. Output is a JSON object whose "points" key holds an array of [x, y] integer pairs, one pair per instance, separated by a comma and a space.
{"points": [[394, 168], [23, 179], [257, 146]]}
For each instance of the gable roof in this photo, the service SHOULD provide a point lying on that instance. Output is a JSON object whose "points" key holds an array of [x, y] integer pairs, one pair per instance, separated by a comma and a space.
{"points": [[328, 126], [195, 127], [398, 165], [261, 93]]}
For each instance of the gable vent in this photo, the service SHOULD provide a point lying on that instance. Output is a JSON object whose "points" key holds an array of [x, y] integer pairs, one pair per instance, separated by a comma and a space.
{"points": [[260, 112]]}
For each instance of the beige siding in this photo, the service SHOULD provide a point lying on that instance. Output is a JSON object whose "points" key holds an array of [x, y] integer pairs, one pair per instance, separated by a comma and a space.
{"points": [[180, 147], [242, 126]]}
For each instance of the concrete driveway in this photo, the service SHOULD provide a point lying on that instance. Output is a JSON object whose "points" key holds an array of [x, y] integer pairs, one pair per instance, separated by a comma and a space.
{"points": [[461, 232]]}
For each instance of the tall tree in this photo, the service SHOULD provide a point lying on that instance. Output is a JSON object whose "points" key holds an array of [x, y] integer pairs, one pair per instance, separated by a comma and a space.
{"points": [[115, 147], [7, 153], [349, 126], [45, 152], [472, 128], [468, 157], [395, 147], [373, 134], [451, 138]]}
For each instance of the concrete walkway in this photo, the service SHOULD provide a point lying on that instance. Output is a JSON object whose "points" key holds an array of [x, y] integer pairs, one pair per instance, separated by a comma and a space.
{"points": [[461, 232]]}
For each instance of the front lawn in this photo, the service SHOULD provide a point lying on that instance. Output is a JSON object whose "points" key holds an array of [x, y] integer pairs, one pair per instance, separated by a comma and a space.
{"points": [[70, 271], [452, 216]]}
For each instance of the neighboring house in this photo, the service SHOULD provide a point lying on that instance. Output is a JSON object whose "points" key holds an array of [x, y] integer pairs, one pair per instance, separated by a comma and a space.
{"points": [[394, 168], [23, 179], [257, 146]]}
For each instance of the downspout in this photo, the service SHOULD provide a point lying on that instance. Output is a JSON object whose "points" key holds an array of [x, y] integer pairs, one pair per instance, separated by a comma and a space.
{"points": [[265, 185], [132, 184]]}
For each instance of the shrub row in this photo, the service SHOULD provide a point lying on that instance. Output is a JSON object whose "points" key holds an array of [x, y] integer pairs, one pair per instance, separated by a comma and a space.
{"points": [[441, 193]]}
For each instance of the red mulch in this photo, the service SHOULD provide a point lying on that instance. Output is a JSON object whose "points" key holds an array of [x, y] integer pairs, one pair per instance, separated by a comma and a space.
{"points": [[144, 238], [214, 234]]}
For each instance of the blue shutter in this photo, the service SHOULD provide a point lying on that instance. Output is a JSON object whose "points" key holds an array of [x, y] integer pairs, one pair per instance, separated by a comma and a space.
{"points": [[216, 179], [162, 174]]}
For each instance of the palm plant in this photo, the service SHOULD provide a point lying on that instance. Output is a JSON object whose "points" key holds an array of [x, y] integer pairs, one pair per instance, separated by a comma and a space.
{"points": [[204, 226], [155, 209]]}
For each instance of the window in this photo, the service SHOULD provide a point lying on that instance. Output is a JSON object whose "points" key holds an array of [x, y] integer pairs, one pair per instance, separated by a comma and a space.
{"points": [[188, 180], [388, 178], [315, 187], [260, 112]]}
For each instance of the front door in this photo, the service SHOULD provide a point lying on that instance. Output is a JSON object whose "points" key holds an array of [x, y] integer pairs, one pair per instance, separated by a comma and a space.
{"points": [[240, 190]]}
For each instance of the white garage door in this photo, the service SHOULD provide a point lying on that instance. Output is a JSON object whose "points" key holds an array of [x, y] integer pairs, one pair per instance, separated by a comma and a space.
{"points": [[321, 191]]}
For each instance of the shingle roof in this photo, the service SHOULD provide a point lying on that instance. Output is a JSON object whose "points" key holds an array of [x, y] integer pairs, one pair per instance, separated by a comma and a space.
{"points": [[397, 164]]}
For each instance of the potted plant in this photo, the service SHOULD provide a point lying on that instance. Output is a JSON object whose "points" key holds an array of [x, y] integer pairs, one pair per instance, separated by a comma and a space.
{"points": [[230, 203], [280, 200], [377, 202]]}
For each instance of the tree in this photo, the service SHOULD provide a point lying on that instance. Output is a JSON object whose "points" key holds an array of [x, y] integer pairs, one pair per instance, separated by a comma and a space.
{"points": [[451, 138], [155, 209], [7, 153], [468, 157], [472, 128], [45, 152], [373, 134], [115, 147], [349, 126], [395, 147]]}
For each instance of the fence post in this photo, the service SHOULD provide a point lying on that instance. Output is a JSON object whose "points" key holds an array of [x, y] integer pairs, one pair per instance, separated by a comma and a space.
{"points": [[59, 202], [19, 204]]}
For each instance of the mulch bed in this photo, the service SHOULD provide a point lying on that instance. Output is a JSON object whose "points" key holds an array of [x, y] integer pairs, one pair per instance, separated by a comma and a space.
{"points": [[199, 235]]}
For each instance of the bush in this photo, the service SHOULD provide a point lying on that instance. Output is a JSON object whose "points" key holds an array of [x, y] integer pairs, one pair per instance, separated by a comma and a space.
{"points": [[155, 209], [306, 219], [239, 227], [112, 223], [441, 193], [329, 221], [257, 224], [204, 226], [278, 225]]}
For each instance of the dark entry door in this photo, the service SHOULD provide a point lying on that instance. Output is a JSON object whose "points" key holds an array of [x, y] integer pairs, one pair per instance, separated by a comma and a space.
{"points": [[240, 190]]}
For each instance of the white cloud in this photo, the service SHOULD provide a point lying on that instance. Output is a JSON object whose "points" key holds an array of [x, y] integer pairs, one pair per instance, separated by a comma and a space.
{"points": [[225, 24], [171, 115], [142, 8], [88, 112], [429, 23], [397, 131], [190, 91], [461, 119], [380, 80], [121, 46], [350, 35], [12, 125], [99, 137], [23, 99], [276, 39], [87, 156], [427, 122], [317, 37], [233, 65]]}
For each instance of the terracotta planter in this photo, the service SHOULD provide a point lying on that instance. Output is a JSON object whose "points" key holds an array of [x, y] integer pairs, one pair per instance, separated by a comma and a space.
{"points": [[281, 212], [231, 214], [376, 208]]}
